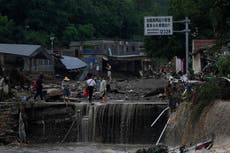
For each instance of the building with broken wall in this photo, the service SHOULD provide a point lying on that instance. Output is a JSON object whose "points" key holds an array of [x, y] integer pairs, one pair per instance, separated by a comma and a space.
{"points": [[206, 52], [123, 55], [198, 56]]}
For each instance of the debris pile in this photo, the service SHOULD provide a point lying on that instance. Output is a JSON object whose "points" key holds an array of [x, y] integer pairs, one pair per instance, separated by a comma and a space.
{"points": [[154, 149]]}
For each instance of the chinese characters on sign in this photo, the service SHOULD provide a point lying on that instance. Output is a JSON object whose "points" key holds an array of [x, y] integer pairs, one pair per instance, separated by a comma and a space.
{"points": [[158, 25]]}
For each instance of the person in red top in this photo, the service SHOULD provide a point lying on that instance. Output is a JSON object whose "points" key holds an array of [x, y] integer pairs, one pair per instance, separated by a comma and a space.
{"points": [[39, 87]]}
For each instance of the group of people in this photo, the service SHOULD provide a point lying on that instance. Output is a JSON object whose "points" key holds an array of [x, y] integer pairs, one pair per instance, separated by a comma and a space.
{"points": [[100, 85], [91, 84], [103, 85]]}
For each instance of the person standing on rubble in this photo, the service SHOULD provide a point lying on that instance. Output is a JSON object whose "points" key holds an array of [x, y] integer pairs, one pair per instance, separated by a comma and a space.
{"points": [[65, 87], [102, 88], [39, 87], [97, 70], [90, 86], [169, 92], [150, 70], [108, 68]]}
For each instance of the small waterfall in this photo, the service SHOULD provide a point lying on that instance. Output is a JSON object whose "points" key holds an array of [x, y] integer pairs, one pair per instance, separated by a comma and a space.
{"points": [[126, 123], [85, 129], [127, 111]]}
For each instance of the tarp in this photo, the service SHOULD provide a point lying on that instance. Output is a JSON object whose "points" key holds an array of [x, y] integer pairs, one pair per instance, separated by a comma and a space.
{"points": [[72, 62]]}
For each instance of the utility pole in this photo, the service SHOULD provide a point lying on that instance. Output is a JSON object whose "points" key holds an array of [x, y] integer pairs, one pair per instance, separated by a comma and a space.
{"points": [[52, 43], [52, 50], [186, 31]]}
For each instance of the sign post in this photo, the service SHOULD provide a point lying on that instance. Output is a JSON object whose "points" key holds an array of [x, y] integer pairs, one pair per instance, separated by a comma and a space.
{"points": [[158, 25], [163, 25]]}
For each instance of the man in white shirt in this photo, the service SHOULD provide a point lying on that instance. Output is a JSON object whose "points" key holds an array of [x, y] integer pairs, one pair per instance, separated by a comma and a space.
{"points": [[90, 86]]}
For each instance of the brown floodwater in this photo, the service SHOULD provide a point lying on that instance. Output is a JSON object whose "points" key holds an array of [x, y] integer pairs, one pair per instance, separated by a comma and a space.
{"points": [[71, 148]]}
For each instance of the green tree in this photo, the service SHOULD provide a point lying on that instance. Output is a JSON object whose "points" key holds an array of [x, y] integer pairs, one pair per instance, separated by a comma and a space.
{"points": [[86, 31], [48, 16], [70, 33], [222, 7], [223, 65], [37, 37], [182, 8], [6, 29], [163, 47], [112, 18]]}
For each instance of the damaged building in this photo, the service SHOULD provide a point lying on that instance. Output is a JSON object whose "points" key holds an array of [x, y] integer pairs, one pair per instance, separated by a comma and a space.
{"points": [[199, 59], [25, 57], [205, 54], [123, 55]]}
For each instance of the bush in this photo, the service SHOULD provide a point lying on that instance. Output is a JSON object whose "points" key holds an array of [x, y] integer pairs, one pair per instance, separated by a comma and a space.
{"points": [[223, 65], [216, 88]]}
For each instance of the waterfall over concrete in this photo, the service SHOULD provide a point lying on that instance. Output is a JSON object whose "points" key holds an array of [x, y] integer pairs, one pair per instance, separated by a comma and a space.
{"points": [[85, 129], [120, 123]]}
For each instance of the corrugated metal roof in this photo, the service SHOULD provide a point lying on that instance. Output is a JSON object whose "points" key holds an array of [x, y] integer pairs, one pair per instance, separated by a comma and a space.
{"points": [[72, 62], [20, 49]]}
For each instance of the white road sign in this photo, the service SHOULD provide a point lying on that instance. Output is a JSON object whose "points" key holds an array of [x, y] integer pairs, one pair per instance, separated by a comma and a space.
{"points": [[158, 25]]}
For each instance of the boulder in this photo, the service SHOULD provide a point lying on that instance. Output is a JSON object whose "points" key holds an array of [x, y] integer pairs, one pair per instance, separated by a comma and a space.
{"points": [[108, 151]]}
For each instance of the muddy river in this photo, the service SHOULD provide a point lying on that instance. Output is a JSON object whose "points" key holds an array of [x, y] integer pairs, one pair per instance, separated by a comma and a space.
{"points": [[71, 148]]}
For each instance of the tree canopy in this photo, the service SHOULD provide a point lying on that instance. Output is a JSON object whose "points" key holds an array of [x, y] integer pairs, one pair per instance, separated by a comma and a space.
{"points": [[209, 20], [34, 21]]}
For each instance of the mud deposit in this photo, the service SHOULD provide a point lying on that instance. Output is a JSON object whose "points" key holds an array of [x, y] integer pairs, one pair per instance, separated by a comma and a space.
{"points": [[137, 89]]}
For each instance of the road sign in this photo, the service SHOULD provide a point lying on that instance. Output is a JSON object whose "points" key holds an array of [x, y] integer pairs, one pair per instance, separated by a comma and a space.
{"points": [[158, 25]]}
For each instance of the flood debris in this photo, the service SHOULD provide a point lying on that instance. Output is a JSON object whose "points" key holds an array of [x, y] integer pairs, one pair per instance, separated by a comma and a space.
{"points": [[21, 129], [162, 148], [21, 88], [154, 92], [154, 149], [205, 145]]}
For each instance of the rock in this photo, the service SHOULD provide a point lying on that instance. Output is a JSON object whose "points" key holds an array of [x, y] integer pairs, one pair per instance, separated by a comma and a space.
{"points": [[108, 151], [54, 92]]}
